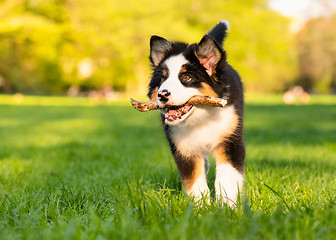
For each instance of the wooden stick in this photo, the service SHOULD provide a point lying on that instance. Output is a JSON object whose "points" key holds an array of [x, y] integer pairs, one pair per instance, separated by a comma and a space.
{"points": [[144, 106], [195, 100], [206, 100]]}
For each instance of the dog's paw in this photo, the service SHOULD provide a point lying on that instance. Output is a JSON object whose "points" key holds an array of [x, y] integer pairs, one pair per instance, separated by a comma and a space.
{"points": [[228, 184], [200, 191]]}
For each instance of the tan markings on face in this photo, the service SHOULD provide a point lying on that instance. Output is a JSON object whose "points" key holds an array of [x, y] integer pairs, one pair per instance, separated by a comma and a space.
{"points": [[198, 169], [165, 73], [154, 94], [183, 70], [206, 90]]}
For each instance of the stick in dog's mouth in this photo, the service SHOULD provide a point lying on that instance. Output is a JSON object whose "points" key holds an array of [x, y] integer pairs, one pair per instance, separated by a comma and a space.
{"points": [[195, 100]]}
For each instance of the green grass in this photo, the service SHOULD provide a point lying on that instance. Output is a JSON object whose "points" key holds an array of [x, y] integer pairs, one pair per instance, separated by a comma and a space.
{"points": [[73, 169]]}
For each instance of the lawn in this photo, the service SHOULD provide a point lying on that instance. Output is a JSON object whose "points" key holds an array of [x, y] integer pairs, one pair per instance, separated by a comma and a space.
{"points": [[74, 169]]}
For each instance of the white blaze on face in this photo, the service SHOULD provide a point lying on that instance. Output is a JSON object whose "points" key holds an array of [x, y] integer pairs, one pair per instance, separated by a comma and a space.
{"points": [[179, 93]]}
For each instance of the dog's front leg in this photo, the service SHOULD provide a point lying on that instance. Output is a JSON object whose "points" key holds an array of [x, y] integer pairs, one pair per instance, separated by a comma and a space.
{"points": [[229, 180], [193, 175]]}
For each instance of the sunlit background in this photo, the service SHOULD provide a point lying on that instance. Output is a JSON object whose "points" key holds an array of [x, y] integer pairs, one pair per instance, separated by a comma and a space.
{"points": [[77, 47]]}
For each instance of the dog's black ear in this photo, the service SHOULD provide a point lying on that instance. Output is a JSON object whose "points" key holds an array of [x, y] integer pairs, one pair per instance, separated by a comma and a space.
{"points": [[158, 49], [219, 32], [208, 54]]}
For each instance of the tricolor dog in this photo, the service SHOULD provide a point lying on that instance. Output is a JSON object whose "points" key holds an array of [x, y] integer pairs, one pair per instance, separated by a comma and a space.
{"points": [[180, 71]]}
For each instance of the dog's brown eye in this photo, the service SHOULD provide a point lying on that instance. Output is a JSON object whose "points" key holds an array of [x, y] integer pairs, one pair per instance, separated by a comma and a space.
{"points": [[162, 80], [186, 78]]}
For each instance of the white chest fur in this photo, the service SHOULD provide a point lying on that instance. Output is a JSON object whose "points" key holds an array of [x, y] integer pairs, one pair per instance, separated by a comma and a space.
{"points": [[204, 130]]}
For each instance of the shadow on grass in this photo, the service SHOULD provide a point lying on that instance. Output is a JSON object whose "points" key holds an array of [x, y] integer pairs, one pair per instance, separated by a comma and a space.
{"points": [[301, 138], [111, 144], [296, 124]]}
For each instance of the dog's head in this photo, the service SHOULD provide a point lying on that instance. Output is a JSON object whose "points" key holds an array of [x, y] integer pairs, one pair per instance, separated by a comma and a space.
{"points": [[182, 71]]}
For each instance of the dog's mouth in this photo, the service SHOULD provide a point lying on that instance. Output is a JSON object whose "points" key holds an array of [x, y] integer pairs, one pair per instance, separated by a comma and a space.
{"points": [[176, 114]]}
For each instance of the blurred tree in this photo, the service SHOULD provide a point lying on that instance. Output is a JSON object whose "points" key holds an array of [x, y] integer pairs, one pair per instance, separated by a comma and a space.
{"points": [[260, 46], [47, 46], [317, 55], [30, 46]]}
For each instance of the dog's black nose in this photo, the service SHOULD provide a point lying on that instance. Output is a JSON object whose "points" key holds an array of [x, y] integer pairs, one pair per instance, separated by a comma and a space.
{"points": [[163, 95]]}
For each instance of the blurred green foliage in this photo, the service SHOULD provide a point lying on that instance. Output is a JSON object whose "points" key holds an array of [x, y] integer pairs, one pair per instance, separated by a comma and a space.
{"points": [[317, 55], [47, 46]]}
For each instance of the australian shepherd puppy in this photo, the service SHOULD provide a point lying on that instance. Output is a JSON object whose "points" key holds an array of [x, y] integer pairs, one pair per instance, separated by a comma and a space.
{"points": [[180, 71]]}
